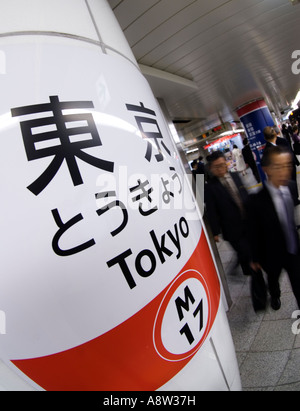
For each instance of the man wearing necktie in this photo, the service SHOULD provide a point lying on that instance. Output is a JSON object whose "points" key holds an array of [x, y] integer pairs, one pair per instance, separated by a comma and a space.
{"points": [[272, 229], [273, 138], [225, 198]]}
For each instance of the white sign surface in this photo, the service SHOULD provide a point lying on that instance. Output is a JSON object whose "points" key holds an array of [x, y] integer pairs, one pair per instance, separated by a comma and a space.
{"points": [[96, 217]]}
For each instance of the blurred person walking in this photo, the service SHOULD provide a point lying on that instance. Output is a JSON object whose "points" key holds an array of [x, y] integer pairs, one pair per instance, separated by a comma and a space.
{"points": [[296, 139], [238, 158], [273, 138], [225, 198], [271, 224], [250, 160]]}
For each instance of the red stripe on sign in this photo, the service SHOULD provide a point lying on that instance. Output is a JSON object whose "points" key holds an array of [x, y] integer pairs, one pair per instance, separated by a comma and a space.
{"points": [[256, 105], [125, 358]]}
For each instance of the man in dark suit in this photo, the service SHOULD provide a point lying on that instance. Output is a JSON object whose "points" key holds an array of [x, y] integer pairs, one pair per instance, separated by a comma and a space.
{"points": [[225, 198], [272, 231], [273, 138]]}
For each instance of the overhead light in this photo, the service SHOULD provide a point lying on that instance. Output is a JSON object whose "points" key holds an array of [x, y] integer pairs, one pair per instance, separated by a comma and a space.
{"points": [[228, 133], [192, 151], [174, 133], [297, 99], [294, 105]]}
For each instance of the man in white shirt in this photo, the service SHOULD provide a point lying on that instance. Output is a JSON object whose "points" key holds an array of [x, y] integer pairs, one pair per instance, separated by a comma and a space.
{"points": [[273, 138], [273, 235]]}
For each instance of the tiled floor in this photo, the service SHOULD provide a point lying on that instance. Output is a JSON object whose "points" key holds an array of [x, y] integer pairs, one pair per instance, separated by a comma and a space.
{"points": [[268, 351]]}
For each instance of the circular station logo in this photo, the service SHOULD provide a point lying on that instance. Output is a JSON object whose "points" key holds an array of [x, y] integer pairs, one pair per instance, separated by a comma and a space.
{"points": [[184, 317]]}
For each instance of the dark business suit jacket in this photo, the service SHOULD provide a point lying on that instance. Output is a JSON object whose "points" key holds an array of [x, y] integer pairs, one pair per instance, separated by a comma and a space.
{"points": [[279, 142], [248, 156], [222, 211], [266, 236]]}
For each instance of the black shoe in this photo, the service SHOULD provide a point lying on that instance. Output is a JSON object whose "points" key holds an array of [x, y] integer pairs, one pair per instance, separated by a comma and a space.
{"points": [[275, 304]]}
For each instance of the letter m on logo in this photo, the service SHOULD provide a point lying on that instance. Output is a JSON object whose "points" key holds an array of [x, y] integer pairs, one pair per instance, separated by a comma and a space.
{"points": [[185, 305], [180, 304]]}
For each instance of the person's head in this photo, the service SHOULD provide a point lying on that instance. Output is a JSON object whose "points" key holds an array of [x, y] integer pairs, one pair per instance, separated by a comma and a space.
{"points": [[217, 164], [277, 130], [270, 134], [277, 163], [194, 165], [245, 141], [295, 129]]}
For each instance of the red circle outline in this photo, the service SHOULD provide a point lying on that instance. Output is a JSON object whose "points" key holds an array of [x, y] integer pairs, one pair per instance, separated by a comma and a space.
{"points": [[157, 340]]}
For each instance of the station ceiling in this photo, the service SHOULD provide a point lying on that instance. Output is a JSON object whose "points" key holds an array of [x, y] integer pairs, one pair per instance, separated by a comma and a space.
{"points": [[205, 58]]}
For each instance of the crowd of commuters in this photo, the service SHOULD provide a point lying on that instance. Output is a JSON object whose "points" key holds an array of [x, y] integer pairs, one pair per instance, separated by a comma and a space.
{"points": [[260, 227]]}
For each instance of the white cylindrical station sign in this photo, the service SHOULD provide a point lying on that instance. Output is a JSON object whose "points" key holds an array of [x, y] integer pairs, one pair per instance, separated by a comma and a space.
{"points": [[107, 280]]}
